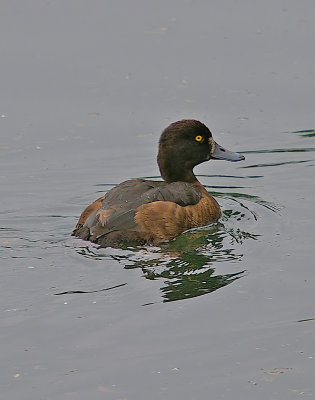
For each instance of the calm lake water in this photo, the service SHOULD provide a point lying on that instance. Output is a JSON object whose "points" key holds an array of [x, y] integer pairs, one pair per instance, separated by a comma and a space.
{"points": [[223, 312]]}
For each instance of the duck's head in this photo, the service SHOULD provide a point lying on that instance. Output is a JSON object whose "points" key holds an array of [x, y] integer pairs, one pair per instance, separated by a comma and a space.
{"points": [[185, 144]]}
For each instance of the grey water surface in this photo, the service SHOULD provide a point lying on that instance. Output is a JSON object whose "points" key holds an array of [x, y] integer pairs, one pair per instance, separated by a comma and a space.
{"points": [[223, 312]]}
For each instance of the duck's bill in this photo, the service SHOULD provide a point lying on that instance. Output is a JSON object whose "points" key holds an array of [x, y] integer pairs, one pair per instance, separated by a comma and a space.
{"points": [[220, 153]]}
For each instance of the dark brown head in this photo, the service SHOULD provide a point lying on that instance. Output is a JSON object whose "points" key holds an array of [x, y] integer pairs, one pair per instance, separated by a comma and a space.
{"points": [[185, 144]]}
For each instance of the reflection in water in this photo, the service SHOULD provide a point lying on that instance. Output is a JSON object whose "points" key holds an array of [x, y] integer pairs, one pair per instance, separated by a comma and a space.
{"points": [[186, 267]]}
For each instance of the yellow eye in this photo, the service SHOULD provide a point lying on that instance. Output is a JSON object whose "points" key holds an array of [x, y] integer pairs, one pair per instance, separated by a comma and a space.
{"points": [[198, 138]]}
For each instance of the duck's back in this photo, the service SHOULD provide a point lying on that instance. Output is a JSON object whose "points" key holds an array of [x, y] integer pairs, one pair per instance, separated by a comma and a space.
{"points": [[142, 211]]}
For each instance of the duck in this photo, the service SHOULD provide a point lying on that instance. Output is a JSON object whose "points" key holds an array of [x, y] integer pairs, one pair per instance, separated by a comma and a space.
{"points": [[141, 212]]}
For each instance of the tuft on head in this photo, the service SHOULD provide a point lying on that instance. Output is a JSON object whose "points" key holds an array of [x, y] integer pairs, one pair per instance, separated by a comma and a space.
{"points": [[185, 127]]}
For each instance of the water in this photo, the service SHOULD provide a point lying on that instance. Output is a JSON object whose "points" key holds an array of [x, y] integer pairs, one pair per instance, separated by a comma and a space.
{"points": [[226, 310]]}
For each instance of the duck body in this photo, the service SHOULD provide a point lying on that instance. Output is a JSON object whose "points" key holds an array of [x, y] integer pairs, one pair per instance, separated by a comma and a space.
{"points": [[139, 211]]}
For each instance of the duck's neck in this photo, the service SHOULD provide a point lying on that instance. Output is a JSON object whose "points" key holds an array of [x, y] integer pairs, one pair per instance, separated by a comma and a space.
{"points": [[173, 172]]}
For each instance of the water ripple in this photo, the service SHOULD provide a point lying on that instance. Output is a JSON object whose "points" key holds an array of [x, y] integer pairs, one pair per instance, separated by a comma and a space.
{"points": [[271, 151], [306, 133], [275, 164]]}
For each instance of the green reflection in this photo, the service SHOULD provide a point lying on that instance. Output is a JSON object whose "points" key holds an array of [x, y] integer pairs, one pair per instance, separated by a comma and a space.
{"points": [[186, 265], [199, 261]]}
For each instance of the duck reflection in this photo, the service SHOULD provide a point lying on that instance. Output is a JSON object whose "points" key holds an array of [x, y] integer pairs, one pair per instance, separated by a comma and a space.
{"points": [[188, 266], [185, 266]]}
